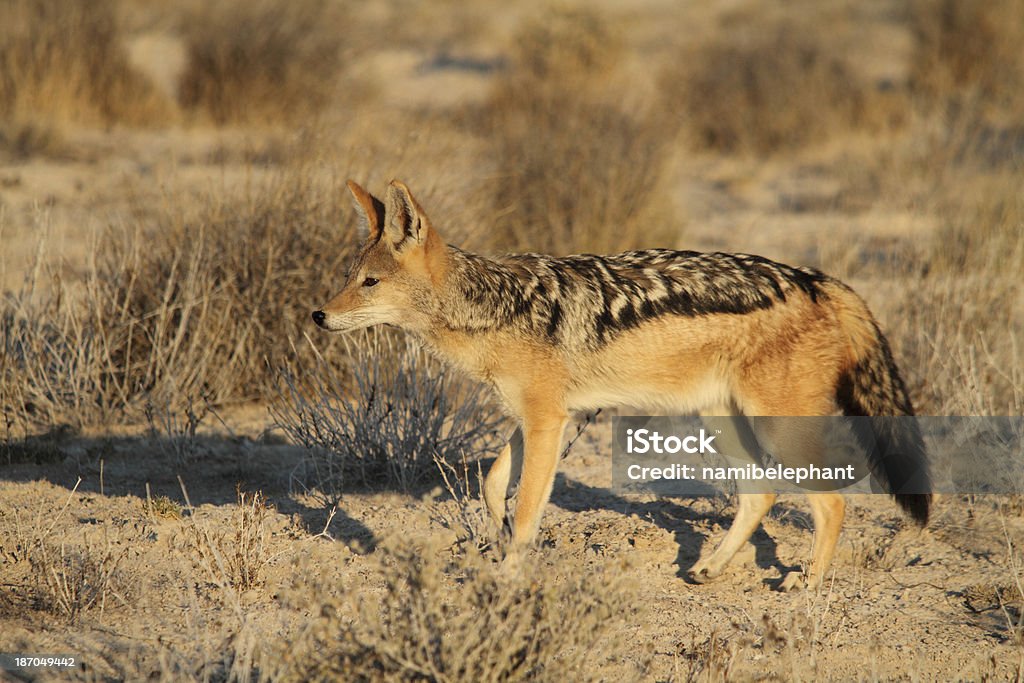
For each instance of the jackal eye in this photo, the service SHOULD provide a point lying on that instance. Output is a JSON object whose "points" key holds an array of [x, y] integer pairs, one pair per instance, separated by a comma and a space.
{"points": [[370, 282]]}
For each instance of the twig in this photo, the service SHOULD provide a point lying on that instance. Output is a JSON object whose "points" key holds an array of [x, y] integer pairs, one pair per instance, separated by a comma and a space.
{"points": [[62, 510], [580, 428], [184, 492]]}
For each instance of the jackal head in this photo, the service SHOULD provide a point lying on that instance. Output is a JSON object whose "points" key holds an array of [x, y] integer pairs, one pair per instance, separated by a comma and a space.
{"points": [[397, 275]]}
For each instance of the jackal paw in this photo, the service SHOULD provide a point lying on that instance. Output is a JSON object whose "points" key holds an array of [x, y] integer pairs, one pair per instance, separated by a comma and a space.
{"points": [[702, 572], [502, 531], [793, 581], [512, 564]]}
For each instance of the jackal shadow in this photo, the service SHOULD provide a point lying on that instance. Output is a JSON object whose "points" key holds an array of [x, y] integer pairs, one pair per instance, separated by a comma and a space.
{"points": [[677, 516]]}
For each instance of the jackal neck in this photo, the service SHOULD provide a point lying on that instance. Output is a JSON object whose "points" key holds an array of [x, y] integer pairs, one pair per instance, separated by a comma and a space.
{"points": [[481, 294]]}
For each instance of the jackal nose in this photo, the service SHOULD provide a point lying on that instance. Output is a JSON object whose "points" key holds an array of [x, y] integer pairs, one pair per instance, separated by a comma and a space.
{"points": [[319, 317]]}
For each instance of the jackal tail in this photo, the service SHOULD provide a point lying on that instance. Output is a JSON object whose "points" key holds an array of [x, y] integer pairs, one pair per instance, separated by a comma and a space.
{"points": [[872, 388]]}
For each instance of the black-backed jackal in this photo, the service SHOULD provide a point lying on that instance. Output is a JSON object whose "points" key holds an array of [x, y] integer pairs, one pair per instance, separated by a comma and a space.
{"points": [[678, 331]]}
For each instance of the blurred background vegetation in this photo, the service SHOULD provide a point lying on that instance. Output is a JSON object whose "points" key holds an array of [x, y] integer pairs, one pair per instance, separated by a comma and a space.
{"points": [[171, 173]]}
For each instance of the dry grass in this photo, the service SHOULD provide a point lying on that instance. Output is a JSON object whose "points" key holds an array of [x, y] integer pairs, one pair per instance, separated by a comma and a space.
{"points": [[261, 62], [57, 366], [954, 302], [73, 580], [955, 311], [958, 339], [235, 556], [65, 62], [1011, 598], [217, 293], [64, 578], [578, 168], [20, 139], [983, 231], [969, 47], [458, 619], [763, 89], [959, 316]]}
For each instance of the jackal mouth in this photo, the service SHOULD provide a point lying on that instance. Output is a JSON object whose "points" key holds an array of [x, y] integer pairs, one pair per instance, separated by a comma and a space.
{"points": [[332, 323], [343, 322]]}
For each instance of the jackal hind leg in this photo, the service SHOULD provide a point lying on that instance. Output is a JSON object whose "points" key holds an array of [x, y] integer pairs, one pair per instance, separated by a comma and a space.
{"points": [[734, 439], [752, 509], [502, 480], [828, 510], [799, 442]]}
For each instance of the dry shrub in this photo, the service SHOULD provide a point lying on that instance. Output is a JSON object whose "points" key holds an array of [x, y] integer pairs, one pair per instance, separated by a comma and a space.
{"points": [[567, 41], [162, 506], [458, 507], [959, 338], [763, 89], [961, 166], [967, 73], [264, 61], [214, 295], [958, 315], [969, 46], [578, 169], [711, 659], [201, 302], [956, 319], [956, 305], [64, 61], [394, 417], [460, 620]]}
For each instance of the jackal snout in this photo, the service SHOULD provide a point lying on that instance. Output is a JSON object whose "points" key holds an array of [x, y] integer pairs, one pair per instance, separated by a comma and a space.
{"points": [[319, 317]]}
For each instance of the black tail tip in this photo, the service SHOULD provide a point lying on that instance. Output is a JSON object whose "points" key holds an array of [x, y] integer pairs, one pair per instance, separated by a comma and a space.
{"points": [[917, 505]]}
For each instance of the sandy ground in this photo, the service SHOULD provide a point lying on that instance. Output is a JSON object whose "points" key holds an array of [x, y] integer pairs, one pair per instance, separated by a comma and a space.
{"points": [[901, 603]]}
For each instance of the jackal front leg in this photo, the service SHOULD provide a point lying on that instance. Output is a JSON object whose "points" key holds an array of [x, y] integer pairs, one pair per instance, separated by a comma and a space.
{"points": [[542, 439], [503, 478]]}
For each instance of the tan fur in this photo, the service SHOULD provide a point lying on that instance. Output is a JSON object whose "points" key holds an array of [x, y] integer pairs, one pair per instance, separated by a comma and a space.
{"points": [[781, 348]]}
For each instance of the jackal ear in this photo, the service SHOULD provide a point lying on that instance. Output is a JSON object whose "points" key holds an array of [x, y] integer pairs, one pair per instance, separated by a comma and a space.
{"points": [[406, 223], [370, 210]]}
